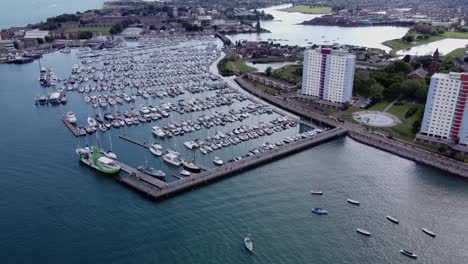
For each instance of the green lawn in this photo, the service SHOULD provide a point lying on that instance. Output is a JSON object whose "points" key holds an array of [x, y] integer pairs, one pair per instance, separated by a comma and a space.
{"points": [[266, 90], [398, 44], [289, 73], [103, 30], [308, 9], [404, 131], [239, 66], [457, 53], [379, 106]]}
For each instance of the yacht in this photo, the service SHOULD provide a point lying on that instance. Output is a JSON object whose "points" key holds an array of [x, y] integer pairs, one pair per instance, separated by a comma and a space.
{"points": [[190, 144], [158, 131], [71, 118], [172, 158], [218, 161], [353, 202], [392, 219], [190, 166], [316, 192], [319, 211], [362, 231], [408, 253], [92, 122], [156, 149], [152, 172], [428, 232], [185, 173], [248, 244]]}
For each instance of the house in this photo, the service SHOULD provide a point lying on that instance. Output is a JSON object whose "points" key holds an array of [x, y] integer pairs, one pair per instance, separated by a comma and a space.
{"points": [[271, 82], [418, 74]]}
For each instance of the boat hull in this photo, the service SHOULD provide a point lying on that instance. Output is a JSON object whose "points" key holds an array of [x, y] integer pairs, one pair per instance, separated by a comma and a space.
{"points": [[97, 167]]}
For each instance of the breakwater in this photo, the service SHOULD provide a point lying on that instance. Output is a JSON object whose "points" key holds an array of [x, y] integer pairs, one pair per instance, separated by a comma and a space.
{"points": [[158, 190]]}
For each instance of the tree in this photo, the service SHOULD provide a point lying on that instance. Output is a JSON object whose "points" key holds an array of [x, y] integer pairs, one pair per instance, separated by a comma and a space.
{"points": [[376, 92], [408, 38], [411, 86], [416, 126], [85, 35], [152, 27], [268, 71], [407, 58], [393, 91]]}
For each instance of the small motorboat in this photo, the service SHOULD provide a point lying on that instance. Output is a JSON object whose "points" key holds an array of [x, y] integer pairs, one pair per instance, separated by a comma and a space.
{"points": [[102, 127], [152, 172], [319, 211], [185, 173], [218, 161], [362, 231], [248, 244], [353, 202], [392, 219], [156, 149], [316, 192], [92, 122], [428, 232], [172, 158], [408, 253]]}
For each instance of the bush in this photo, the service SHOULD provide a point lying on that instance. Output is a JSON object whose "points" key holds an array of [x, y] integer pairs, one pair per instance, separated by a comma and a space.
{"points": [[411, 111]]}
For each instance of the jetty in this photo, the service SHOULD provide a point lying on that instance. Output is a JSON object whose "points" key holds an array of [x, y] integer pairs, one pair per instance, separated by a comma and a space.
{"points": [[75, 131], [134, 141], [158, 190]]}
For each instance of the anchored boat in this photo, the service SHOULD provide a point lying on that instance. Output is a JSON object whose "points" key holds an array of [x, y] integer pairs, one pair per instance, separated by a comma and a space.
{"points": [[408, 253], [248, 244]]}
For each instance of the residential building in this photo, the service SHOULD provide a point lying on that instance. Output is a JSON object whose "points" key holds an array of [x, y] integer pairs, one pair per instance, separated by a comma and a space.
{"points": [[328, 74], [445, 116], [271, 82]]}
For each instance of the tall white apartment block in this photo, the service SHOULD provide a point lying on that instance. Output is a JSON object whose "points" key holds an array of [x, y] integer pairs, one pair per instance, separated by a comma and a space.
{"points": [[328, 74], [445, 114]]}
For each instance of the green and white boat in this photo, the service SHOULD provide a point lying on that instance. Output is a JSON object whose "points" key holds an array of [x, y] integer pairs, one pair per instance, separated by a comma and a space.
{"points": [[92, 157]]}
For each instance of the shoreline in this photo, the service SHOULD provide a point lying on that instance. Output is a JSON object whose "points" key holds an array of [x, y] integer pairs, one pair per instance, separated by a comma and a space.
{"points": [[407, 151]]}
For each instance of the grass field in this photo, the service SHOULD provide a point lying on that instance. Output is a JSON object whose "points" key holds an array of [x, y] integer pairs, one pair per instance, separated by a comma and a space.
{"points": [[457, 53], [239, 66], [379, 106], [404, 131], [398, 44], [103, 30], [290, 73], [308, 9]]}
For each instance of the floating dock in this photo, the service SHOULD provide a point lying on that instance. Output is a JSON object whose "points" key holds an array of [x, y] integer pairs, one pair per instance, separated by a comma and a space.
{"points": [[157, 189], [134, 141], [73, 129]]}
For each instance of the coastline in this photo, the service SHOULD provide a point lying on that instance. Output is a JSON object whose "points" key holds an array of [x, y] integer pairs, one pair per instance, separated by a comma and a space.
{"points": [[357, 133]]}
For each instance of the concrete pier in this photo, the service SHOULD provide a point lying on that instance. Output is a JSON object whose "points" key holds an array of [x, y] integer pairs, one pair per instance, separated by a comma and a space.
{"points": [[72, 128], [157, 189]]}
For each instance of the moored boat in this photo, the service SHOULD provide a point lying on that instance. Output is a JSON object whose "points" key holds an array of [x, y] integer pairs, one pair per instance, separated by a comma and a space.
{"points": [[428, 232], [362, 231], [152, 172], [392, 219], [218, 161], [71, 118], [92, 157], [319, 211], [351, 201], [408, 253], [248, 244]]}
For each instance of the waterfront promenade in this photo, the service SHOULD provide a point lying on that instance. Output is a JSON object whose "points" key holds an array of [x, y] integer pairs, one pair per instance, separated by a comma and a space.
{"points": [[360, 134]]}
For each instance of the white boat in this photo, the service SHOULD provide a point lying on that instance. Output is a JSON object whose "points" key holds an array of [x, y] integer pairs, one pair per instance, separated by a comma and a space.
{"points": [[156, 149], [92, 122], [408, 253], [428, 232], [248, 244], [316, 192], [71, 118], [172, 158], [190, 144], [353, 201], [110, 155], [393, 219], [362, 231], [218, 161], [185, 173], [158, 131], [102, 127]]}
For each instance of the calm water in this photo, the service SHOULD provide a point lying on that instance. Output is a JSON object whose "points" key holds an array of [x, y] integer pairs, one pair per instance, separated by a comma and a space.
{"points": [[274, 65], [56, 210], [285, 28], [445, 46], [23, 12]]}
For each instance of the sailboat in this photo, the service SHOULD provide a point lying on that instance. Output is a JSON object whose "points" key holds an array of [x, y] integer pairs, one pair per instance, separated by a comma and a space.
{"points": [[248, 244]]}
